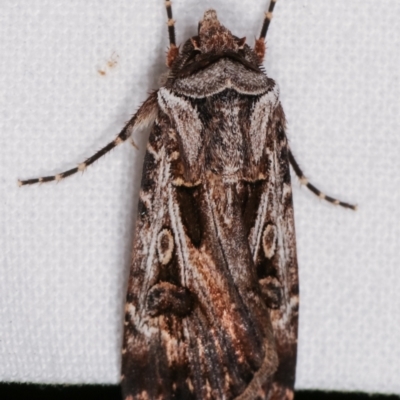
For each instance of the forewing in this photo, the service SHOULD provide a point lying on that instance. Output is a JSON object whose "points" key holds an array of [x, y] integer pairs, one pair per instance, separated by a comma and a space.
{"points": [[211, 309], [196, 326], [273, 245]]}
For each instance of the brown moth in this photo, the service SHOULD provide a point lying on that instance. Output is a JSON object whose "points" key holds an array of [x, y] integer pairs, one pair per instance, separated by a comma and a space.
{"points": [[212, 303]]}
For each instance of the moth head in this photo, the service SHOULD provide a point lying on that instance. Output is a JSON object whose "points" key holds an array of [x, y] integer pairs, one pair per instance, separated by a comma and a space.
{"points": [[214, 37], [214, 43]]}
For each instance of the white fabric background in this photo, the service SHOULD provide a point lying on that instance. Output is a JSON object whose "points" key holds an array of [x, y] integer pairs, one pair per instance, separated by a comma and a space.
{"points": [[65, 248]]}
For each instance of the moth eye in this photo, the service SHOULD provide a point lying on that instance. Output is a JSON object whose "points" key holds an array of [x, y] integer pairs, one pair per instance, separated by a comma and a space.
{"points": [[165, 246], [269, 240]]}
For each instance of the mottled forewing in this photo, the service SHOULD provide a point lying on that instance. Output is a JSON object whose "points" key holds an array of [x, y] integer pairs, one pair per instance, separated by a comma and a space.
{"points": [[273, 244], [211, 310]]}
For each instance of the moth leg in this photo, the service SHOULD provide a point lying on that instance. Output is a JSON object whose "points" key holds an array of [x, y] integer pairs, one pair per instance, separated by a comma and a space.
{"points": [[145, 115], [173, 51], [260, 42], [316, 191]]}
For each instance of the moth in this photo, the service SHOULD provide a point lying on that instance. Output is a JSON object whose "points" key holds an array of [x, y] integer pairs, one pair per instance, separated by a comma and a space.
{"points": [[213, 295]]}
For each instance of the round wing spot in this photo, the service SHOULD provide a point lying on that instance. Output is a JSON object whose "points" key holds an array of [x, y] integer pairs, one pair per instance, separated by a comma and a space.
{"points": [[165, 246], [269, 241]]}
